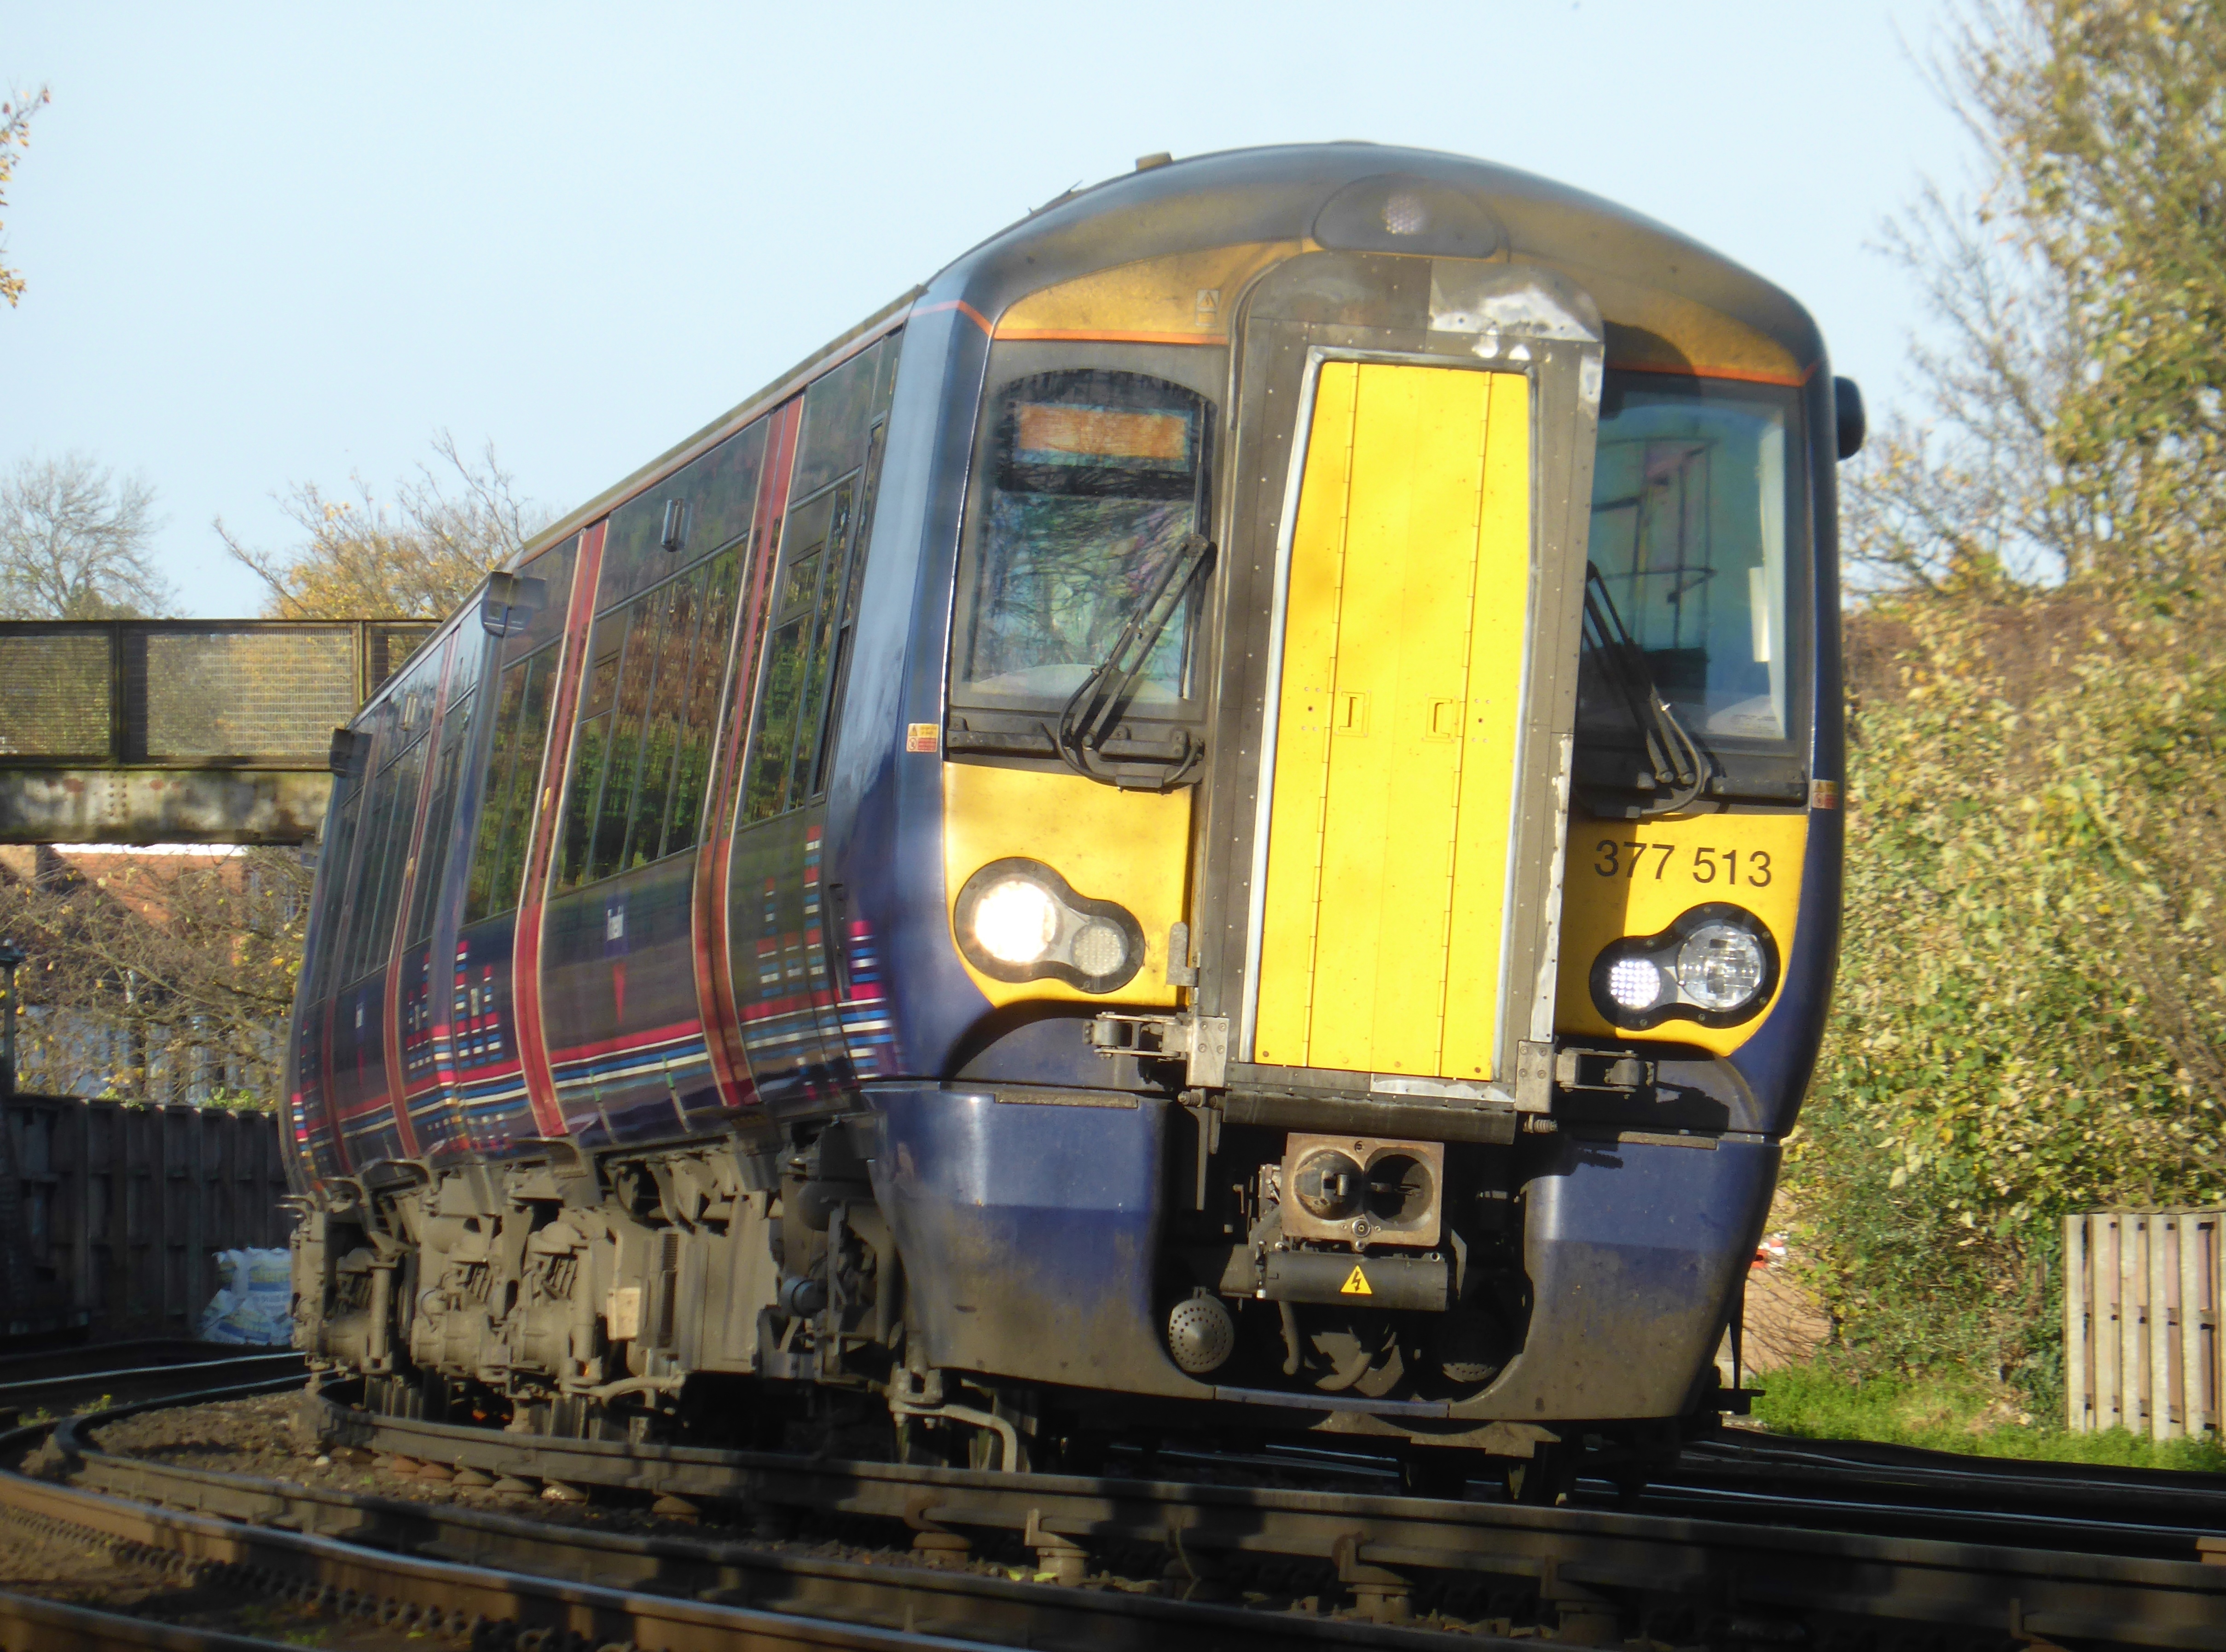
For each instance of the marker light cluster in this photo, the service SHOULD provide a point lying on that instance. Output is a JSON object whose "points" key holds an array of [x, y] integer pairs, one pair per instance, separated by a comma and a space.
{"points": [[1019, 920], [1717, 965]]}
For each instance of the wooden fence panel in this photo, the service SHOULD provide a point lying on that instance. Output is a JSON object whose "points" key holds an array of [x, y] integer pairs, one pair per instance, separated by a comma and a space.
{"points": [[2141, 1342], [119, 1212]]}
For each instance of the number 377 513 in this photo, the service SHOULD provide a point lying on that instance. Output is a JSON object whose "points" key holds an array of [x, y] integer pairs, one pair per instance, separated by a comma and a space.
{"points": [[1630, 858]]}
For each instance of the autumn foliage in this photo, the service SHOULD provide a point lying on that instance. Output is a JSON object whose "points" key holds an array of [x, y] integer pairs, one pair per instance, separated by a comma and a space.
{"points": [[2031, 1010]]}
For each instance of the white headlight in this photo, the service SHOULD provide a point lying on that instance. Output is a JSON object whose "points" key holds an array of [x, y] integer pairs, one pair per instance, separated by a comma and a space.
{"points": [[1016, 921], [1635, 983], [1720, 966]]}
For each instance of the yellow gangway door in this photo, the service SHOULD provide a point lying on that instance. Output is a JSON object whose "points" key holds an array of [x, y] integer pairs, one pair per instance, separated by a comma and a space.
{"points": [[1397, 726]]}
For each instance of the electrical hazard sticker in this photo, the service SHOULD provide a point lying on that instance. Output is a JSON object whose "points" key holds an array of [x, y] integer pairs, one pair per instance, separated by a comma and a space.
{"points": [[921, 737], [1356, 1286]]}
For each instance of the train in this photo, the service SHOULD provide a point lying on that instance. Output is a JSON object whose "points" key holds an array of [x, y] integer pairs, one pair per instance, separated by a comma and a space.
{"points": [[1223, 824]]}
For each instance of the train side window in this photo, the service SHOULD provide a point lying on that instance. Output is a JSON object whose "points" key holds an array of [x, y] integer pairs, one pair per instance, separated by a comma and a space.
{"points": [[704, 508], [521, 730], [699, 711], [838, 670], [641, 750], [328, 914], [591, 741], [645, 730], [391, 816], [518, 701], [447, 773], [823, 549]]}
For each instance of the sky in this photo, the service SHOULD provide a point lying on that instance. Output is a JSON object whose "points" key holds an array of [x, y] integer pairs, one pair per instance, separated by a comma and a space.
{"points": [[272, 244]]}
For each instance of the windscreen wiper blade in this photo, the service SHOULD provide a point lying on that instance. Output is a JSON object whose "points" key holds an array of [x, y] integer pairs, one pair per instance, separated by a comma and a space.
{"points": [[1095, 709], [1676, 759]]}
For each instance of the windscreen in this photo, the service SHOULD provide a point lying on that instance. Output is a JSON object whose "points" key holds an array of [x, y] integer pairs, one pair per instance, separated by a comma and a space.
{"points": [[1094, 477], [1692, 491]]}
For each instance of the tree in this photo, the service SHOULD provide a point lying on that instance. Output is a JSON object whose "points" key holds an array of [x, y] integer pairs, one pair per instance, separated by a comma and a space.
{"points": [[419, 558], [2028, 1020], [15, 134], [155, 974], [73, 543]]}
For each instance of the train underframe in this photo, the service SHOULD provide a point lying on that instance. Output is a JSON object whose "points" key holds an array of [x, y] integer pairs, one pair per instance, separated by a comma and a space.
{"points": [[1007, 1277]]}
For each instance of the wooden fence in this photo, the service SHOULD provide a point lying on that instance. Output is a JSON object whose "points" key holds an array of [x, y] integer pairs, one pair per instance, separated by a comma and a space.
{"points": [[112, 1214], [2141, 1344]]}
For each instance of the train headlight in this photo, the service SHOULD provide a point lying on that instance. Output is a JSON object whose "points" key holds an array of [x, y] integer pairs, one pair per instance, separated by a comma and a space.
{"points": [[1720, 966], [1016, 920], [1717, 965]]}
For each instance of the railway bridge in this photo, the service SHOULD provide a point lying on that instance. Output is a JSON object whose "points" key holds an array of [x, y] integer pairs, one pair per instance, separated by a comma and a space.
{"points": [[181, 731]]}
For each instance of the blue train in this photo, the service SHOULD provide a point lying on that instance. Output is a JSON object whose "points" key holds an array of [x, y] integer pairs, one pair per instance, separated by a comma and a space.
{"points": [[1225, 819]]}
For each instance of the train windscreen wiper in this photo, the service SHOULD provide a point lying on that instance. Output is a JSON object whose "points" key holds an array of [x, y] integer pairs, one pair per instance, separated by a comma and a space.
{"points": [[1677, 761], [1096, 707]]}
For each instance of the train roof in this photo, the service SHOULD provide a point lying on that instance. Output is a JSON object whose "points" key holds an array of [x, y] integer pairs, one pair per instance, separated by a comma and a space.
{"points": [[1670, 304], [1317, 195]]}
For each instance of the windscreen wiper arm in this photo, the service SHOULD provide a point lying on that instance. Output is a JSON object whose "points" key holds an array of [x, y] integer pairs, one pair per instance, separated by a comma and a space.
{"points": [[1096, 707], [1676, 759]]}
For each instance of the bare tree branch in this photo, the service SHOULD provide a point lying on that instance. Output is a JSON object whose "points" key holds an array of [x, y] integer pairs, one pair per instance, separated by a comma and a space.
{"points": [[73, 543], [419, 556]]}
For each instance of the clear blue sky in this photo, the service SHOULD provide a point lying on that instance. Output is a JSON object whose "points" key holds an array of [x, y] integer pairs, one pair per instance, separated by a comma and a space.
{"points": [[271, 243]]}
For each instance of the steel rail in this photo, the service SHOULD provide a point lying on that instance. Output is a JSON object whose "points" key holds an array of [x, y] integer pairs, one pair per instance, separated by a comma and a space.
{"points": [[2167, 1514], [1572, 1556], [247, 1365], [1002, 1609], [968, 1605], [465, 1597], [29, 1625], [433, 1597], [62, 1358], [2084, 1490]]}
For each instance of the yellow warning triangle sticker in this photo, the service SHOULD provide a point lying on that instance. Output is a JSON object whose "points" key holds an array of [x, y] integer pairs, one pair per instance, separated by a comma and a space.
{"points": [[1356, 1286]]}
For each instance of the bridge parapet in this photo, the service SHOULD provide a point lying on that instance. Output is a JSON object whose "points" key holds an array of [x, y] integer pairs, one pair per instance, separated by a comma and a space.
{"points": [[181, 731]]}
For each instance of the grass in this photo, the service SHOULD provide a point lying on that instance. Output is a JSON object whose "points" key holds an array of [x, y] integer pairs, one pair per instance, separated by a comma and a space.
{"points": [[1953, 1411]]}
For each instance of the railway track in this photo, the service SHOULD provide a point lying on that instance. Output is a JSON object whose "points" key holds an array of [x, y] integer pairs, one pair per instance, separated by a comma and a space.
{"points": [[497, 1581], [1857, 1486], [1738, 1578], [122, 1372]]}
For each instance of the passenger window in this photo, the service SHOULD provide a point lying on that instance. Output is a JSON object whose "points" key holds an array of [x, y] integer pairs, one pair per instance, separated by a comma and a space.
{"points": [[521, 730], [522, 694], [331, 915], [1092, 480], [656, 661], [447, 773], [399, 755], [647, 722], [703, 508], [821, 560]]}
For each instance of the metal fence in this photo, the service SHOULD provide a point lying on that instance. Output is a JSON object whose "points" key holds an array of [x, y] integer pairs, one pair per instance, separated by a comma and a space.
{"points": [[111, 1215], [198, 694], [2142, 1345]]}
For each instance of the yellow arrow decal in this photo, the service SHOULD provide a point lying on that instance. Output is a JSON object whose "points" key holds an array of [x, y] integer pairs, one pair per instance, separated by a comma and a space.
{"points": [[1356, 1286]]}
